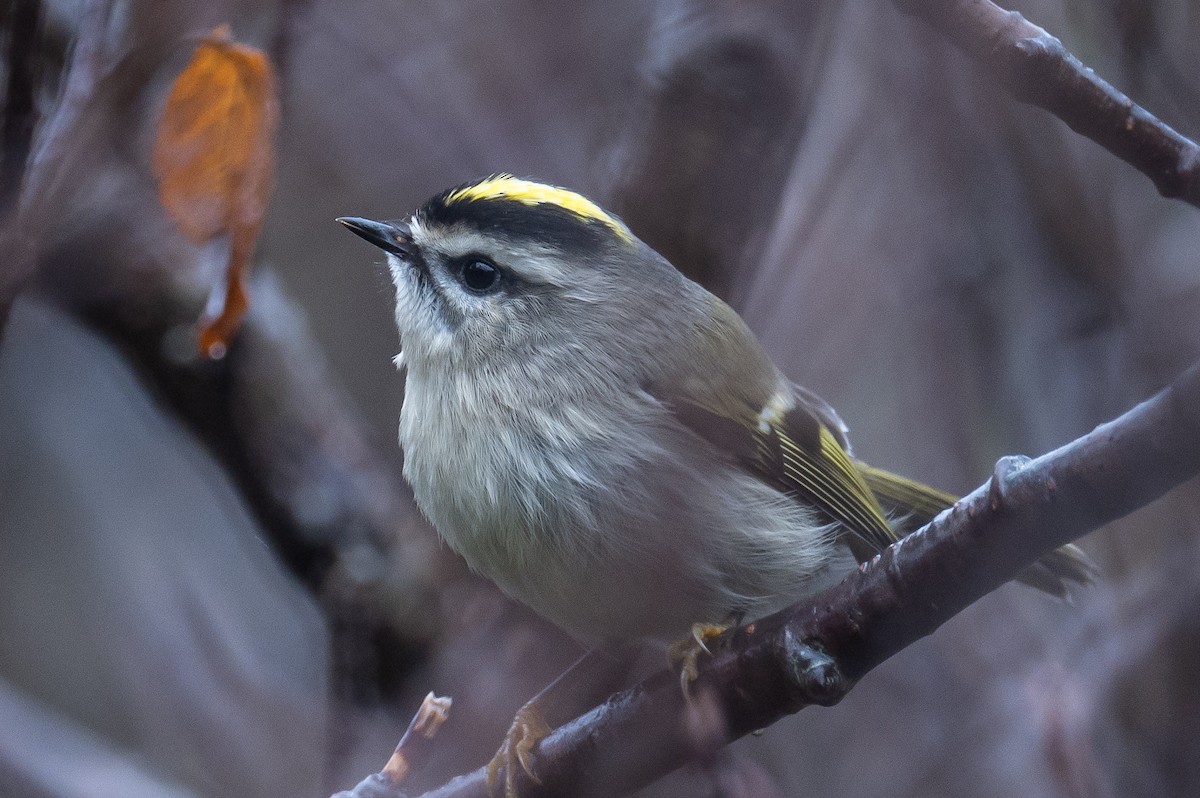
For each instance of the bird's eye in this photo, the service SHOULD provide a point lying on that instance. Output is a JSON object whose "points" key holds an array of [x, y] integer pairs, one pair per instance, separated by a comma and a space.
{"points": [[480, 276]]}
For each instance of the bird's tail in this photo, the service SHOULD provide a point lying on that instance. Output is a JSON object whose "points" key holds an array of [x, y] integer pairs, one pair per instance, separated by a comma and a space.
{"points": [[913, 505]]}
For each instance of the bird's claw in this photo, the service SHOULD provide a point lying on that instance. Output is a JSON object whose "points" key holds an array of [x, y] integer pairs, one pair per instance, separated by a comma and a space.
{"points": [[686, 653], [527, 730]]}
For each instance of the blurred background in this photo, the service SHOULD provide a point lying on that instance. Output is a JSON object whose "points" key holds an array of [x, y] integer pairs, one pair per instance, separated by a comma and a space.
{"points": [[213, 581]]}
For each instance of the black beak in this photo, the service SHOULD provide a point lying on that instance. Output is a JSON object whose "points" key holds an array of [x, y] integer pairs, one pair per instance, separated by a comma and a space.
{"points": [[393, 237]]}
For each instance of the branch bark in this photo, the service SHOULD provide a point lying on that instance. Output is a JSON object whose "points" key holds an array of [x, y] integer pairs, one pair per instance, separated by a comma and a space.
{"points": [[815, 651], [1036, 69]]}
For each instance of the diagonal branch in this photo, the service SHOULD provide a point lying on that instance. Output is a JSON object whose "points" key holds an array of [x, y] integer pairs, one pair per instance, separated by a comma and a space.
{"points": [[815, 651], [1036, 69]]}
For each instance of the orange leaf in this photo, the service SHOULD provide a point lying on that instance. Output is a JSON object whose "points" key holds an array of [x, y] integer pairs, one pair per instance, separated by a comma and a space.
{"points": [[214, 158]]}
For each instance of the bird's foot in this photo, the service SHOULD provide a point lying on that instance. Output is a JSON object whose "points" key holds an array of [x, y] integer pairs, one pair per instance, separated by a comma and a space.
{"points": [[527, 730], [685, 654]]}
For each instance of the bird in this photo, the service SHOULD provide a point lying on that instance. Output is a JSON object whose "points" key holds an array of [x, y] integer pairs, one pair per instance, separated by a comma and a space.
{"points": [[606, 440]]}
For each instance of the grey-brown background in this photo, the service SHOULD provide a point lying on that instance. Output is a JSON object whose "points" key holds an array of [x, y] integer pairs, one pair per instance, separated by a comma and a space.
{"points": [[960, 275]]}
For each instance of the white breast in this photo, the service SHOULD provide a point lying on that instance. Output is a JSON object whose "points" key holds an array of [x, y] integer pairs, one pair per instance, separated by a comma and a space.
{"points": [[613, 524]]}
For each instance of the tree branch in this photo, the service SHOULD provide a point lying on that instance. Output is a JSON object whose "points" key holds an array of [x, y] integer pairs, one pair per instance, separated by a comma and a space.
{"points": [[815, 651], [1036, 69]]}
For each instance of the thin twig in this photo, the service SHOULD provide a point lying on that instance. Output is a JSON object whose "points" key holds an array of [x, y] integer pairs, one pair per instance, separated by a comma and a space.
{"points": [[815, 651], [412, 748], [1036, 69]]}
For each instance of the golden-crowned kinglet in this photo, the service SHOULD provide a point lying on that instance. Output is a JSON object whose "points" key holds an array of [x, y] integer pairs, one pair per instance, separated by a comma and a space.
{"points": [[604, 438]]}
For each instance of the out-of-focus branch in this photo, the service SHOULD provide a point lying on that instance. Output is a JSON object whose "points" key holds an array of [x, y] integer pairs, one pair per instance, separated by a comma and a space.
{"points": [[47, 156], [86, 69], [22, 22], [703, 164], [1036, 69], [815, 651], [272, 414]]}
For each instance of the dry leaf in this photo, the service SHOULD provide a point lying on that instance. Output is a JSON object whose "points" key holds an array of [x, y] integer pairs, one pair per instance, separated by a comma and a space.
{"points": [[214, 158]]}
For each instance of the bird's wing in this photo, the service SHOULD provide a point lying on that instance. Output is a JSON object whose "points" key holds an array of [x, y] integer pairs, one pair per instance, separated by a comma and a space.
{"points": [[799, 450], [725, 388]]}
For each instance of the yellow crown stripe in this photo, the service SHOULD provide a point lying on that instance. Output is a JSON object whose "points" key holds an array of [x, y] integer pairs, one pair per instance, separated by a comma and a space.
{"points": [[528, 192]]}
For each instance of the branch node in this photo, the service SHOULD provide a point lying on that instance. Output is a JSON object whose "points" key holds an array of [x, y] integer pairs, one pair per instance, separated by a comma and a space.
{"points": [[1041, 48], [814, 674], [1030, 63], [1005, 467]]}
